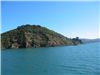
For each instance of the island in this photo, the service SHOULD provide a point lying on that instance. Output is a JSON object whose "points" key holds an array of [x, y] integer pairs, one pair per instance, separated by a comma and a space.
{"points": [[28, 36]]}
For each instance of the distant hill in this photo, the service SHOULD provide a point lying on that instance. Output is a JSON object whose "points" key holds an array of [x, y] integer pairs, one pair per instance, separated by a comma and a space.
{"points": [[27, 36], [90, 40]]}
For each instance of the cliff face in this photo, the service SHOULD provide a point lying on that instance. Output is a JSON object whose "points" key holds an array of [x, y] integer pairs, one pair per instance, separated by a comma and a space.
{"points": [[27, 36]]}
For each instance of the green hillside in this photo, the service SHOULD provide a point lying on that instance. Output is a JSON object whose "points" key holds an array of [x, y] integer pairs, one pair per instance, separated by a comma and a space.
{"points": [[27, 36]]}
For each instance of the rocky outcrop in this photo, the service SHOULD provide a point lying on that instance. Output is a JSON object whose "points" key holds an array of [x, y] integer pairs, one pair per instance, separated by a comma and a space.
{"points": [[15, 45]]}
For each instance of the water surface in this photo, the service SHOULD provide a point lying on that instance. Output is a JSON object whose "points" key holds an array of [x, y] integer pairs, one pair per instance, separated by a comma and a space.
{"points": [[66, 60]]}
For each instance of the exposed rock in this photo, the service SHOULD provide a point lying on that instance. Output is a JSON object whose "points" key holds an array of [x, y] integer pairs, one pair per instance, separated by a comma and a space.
{"points": [[15, 45]]}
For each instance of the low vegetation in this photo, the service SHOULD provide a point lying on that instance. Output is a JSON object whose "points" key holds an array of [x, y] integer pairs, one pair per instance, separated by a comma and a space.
{"points": [[27, 36]]}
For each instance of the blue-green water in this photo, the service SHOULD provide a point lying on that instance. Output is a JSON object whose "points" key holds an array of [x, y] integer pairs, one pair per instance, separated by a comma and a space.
{"points": [[67, 60]]}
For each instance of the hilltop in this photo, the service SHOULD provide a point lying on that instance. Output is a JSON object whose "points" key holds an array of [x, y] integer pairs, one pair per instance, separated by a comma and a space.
{"points": [[27, 36]]}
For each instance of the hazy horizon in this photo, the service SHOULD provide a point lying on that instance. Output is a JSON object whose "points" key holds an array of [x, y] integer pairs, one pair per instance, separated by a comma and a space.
{"points": [[70, 19]]}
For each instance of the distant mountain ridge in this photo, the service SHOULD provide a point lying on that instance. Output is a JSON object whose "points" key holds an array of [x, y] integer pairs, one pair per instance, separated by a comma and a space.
{"points": [[90, 40], [27, 36]]}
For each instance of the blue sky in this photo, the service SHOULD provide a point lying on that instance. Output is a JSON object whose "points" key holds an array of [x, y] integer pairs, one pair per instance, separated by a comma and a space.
{"points": [[68, 18]]}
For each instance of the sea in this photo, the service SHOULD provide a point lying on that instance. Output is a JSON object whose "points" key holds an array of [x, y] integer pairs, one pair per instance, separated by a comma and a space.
{"points": [[82, 59]]}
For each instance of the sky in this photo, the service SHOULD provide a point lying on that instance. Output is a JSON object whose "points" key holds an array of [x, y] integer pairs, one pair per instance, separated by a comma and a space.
{"points": [[71, 19]]}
